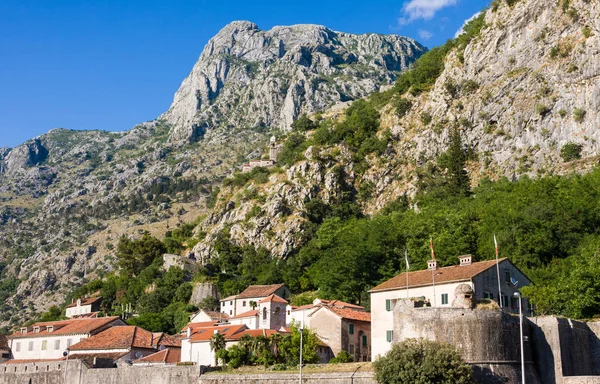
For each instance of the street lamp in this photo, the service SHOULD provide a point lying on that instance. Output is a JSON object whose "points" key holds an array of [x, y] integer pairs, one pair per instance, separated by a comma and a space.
{"points": [[66, 354], [301, 333], [518, 294]]}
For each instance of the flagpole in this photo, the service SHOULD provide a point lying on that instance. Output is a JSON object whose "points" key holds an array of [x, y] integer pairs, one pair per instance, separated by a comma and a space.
{"points": [[498, 272], [407, 269]]}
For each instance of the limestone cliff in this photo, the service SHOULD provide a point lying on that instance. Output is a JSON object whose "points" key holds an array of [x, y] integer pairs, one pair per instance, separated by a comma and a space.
{"points": [[246, 77]]}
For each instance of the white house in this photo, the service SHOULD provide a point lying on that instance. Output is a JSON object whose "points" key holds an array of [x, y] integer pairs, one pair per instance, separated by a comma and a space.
{"points": [[437, 286], [48, 340], [196, 346], [83, 307], [270, 314], [248, 300]]}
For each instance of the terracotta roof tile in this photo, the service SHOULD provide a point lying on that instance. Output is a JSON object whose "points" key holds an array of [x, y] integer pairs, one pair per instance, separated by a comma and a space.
{"points": [[215, 315], [202, 324], [85, 301], [24, 361], [205, 334], [161, 339], [259, 291], [122, 337], [68, 327], [90, 315], [253, 333], [349, 314], [246, 314], [166, 356], [89, 357], [341, 304], [453, 273], [273, 298]]}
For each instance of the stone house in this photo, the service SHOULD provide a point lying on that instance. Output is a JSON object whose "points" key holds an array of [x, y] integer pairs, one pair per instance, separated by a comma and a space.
{"points": [[169, 356], [248, 300], [48, 340], [300, 315], [122, 344], [87, 307], [270, 314], [343, 329], [437, 287]]}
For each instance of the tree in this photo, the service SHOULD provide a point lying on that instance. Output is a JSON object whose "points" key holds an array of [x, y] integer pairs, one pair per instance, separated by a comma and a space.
{"points": [[303, 124], [422, 361], [135, 255], [454, 160], [217, 343]]}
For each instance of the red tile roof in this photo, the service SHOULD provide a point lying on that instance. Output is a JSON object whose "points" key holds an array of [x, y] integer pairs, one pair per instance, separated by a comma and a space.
{"points": [[253, 333], [350, 314], [90, 315], [450, 274], [215, 315], [246, 314], [69, 327], [89, 357], [85, 301], [332, 303], [205, 334], [161, 339], [124, 337], [166, 356], [273, 298], [259, 291], [24, 361], [202, 324]]}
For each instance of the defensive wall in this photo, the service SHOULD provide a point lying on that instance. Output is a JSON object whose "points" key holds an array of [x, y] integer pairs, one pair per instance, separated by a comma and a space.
{"points": [[79, 373]]}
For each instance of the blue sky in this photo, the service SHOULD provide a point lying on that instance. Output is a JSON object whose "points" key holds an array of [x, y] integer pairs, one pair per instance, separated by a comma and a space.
{"points": [[111, 64]]}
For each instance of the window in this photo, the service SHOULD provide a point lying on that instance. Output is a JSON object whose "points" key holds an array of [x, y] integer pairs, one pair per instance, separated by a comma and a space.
{"points": [[389, 336], [444, 298], [231, 312], [19, 347], [264, 313], [244, 303], [44, 345], [30, 346], [507, 277], [69, 341], [388, 305], [514, 303], [488, 295], [504, 300], [351, 329], [56, 345], [364, 340], [351, 349], [231, 302]]}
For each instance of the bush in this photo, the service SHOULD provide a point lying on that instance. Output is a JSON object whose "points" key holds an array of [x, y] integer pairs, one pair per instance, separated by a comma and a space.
{"points": [[303, 124], [578, 114], [542, 110], [587, 32], [426, 118], [422, 361], [570, 151], [342, 357], [469, 86], [402, 107]]}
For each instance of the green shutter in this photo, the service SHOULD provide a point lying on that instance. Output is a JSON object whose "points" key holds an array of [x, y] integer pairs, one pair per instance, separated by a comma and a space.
{"points": [[364, 340], [389, 336], [388, 305], [351, 329]]}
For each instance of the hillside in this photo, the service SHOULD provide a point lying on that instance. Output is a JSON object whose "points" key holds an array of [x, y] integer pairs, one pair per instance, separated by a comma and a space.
{"points": [[67, 197]]}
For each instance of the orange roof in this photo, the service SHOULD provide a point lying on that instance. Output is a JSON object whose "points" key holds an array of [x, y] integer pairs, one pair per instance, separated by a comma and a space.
{"points": [[259, 291], [89, 357], [124, 337], [273, 298], [246, 314], [166, 356], [454, 273], [350, 314], [162, 339], [205, 334], [23, 361], [90, 315], [68, 327], [253, 333], [201, 324], [341, 304], [215, 315], [85, 301]]}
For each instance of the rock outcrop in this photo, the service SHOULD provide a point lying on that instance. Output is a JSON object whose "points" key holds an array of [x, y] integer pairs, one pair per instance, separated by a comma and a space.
{"points": [[246, 77]]}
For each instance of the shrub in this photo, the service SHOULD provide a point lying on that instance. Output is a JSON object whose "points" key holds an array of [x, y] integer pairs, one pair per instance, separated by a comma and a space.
{"points": [[587, 32], [570, 152], [402, 107], [426, 118], [511, 2], [469, 86], [542, 110], [562, 113], [422, 361], [579, 114], [303, 124], [342, 357], [451, 87]]}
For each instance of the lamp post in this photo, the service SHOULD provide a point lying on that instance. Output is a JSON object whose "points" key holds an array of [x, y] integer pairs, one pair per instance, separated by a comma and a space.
{"points": [[66, 354], [301, 333], [518, 294]]}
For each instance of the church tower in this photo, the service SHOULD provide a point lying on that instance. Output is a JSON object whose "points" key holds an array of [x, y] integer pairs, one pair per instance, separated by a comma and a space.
{"points": [[272, 149]]}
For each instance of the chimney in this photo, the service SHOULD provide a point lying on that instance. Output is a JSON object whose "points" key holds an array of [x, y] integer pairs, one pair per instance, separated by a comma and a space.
{"points": [[465, 260], [189, 332], [432, 265]]}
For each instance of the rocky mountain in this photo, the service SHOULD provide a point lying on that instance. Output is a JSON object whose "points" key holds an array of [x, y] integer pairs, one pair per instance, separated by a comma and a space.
{"points": [[523, 92], [66, 197], [247, 77]]}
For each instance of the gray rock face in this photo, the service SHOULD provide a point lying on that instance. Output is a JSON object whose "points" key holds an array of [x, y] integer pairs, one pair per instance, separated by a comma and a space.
{"points": [[248, 78], [31, 153]]}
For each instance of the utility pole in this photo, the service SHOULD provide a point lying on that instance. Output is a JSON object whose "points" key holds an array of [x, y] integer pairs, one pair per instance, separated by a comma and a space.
{"points": [[518, 294]]}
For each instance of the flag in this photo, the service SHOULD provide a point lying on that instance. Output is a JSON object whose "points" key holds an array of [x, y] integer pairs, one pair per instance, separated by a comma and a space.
{"points": [[496, 245], [406, 259], [431, 246]]}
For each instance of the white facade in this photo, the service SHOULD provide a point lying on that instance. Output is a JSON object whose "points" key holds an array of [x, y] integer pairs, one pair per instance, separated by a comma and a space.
{"points": [[45, 347], [249, 321], [78, 310], [484, 285]]}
